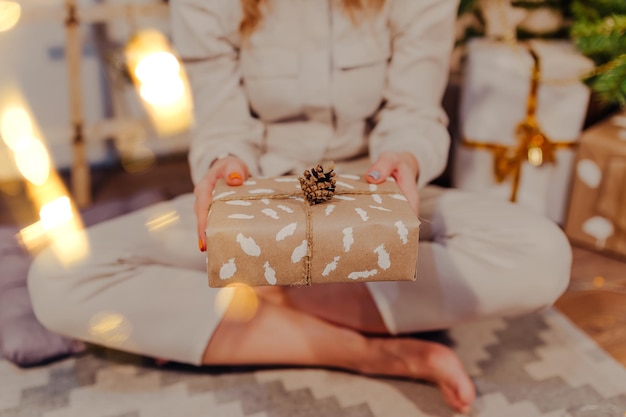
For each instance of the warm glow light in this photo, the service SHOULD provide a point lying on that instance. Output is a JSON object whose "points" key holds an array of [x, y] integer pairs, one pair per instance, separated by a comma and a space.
{"points": [[110, 327], [237, 302], [162, 221], [8, 173], [164, 93], [69, 243], [59, 229], [32, 160], [535, 156], [157, 66], [16, 127], [56, 213], [10, 12], [33, 237], [161, 82]]}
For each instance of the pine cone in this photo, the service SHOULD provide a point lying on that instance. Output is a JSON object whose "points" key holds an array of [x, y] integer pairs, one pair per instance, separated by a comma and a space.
{"points": [[318, 186]]}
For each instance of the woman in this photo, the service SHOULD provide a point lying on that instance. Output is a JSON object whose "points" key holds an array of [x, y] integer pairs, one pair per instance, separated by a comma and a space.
{"points": [[278, 86]]}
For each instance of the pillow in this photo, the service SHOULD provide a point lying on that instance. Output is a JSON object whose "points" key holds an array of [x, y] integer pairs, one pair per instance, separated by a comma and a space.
{"points": [[23, 340]]}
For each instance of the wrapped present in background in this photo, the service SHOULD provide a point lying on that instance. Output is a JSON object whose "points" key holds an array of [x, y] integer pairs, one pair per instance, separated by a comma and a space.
{"points": [[264, 233], [597, 210], [522, 110]]}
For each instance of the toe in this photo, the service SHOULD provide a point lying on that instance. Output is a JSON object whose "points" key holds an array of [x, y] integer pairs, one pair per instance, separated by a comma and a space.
{"points": [[449, 373]]}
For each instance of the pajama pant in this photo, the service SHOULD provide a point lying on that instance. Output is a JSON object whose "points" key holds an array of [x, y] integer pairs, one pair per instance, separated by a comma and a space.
{"points": [[142, 286]]}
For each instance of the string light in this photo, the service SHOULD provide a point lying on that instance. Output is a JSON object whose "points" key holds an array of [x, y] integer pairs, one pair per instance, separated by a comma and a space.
{"points": [[56, 212], [535, 156], [29, 152], [15, 127], [10, 13], [160, 81]]}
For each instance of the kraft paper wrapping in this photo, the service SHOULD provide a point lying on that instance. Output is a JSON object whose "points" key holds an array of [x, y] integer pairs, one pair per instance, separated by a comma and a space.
{"points": [[264, 233], [597, 210]]}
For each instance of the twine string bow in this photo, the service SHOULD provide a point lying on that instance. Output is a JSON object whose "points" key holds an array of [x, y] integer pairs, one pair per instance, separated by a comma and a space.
{"points": [[533, 145]]}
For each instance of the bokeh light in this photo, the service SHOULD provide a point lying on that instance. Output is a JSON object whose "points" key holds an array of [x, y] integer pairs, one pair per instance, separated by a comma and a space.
{"points": [[33, 237], [9, 174], [155, 66], [15, 127], [161, 221], [69, 243], [164, 93], [109, 328], [59, 226], [30, 154], [33, 161], [10, 12], [158, 74], [161, 82], [237, 302], [55, 213], [535, 156]]}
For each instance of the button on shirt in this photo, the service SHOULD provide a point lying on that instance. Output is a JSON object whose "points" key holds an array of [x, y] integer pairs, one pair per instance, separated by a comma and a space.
{"points": [[309, 85]]}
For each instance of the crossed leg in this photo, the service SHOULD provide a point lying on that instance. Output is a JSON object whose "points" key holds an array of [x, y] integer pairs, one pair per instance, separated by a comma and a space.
{"points": [[511, 263], [280, 334], [478, 258]]}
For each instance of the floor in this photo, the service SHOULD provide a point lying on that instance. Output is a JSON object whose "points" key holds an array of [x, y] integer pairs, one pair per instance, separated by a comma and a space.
{"points": [[595, 301]]}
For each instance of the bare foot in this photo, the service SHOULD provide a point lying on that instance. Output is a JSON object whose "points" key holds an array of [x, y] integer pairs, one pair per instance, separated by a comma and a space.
{"points": [[279, 334], [428, 361]]}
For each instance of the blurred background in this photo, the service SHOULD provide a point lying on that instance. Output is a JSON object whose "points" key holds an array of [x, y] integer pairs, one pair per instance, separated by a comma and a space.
{"points": [[36, 76]]}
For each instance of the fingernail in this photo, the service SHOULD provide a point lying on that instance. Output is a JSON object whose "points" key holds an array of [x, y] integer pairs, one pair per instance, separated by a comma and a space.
{"points": [[374, 174], [201, 246], [234, 176]]}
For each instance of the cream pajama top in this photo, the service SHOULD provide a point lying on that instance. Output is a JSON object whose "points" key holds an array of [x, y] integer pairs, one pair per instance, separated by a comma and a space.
{"points": [[316, 83]]}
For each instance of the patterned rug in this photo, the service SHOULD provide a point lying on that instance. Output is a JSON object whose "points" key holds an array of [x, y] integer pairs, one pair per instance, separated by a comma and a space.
{"points": [[536, 366]]}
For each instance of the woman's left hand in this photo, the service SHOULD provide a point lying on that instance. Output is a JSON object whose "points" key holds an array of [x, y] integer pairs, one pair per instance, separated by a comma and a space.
{"points": [[404, 168]]}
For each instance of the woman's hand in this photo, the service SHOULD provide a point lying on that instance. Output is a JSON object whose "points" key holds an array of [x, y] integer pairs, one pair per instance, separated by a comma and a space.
{"points": [[234, 171], [402, 166]]}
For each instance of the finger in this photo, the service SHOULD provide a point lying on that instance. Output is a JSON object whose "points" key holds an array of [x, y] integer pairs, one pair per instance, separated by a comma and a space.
{"points": [[203, 193], [406, 182], [381, 169], [234, 172]]}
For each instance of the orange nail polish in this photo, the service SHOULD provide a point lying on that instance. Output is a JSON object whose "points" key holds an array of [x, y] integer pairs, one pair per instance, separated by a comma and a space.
{"points": [[201, 246], [234, 176]]}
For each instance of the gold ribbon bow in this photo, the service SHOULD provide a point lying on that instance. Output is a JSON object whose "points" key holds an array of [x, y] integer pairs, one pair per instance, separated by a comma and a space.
{"points": [[532, 146]]}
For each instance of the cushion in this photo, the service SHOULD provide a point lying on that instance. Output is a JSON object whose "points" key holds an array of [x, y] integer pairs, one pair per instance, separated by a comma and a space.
{"points": [[23, 340]]}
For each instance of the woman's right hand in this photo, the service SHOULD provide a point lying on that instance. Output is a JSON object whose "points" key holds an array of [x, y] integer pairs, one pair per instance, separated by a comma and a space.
{"points": [[231, 169]]}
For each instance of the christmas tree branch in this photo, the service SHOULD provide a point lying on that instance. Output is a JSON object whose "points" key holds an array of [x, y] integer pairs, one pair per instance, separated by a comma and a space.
{"points": [[601, 40]]}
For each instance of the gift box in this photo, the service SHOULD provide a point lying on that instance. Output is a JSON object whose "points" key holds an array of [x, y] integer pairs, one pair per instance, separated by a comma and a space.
{"points": [[521, 113], [597, 211], [265, 233]]}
